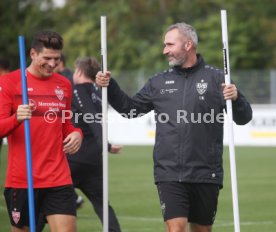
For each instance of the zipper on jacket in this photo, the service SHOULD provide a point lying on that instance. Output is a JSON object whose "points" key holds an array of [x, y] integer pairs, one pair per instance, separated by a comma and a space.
{"points": [[182, 126]]}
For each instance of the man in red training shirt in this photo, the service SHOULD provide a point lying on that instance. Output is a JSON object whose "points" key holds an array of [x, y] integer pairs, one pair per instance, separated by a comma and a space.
{"points": [[51, 138]]}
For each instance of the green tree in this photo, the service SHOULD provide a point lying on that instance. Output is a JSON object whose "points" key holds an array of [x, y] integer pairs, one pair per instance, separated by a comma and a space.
{"points": [[135, 29], [23, 17]]}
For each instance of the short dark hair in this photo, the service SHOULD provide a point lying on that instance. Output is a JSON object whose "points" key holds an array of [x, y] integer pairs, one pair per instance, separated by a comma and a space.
{"points": [[89, 66], [63, 59], [47, 39], [4, 63]]}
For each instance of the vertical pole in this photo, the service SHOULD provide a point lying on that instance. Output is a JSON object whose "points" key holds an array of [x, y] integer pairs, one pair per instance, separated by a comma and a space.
{"points": [[104, 125], [272, 86], [27, 134], [230, 123]]}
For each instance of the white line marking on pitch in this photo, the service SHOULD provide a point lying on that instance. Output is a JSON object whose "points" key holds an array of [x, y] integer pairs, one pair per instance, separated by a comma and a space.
{"points": [[252, 223], [217, 223]]}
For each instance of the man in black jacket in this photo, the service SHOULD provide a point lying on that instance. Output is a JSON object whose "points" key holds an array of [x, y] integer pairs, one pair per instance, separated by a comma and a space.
{"points": [[86, 165], [188, 100]]}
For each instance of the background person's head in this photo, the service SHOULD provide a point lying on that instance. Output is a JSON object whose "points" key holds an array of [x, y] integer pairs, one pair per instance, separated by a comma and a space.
{"points": [[4, 66], [86, 69], [62, 64], [45, 53]]}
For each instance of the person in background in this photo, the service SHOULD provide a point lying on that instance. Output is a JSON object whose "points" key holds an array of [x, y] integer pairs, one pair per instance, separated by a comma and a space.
{"points": [[188, 167], [4, 69], [86, 165], [63, 70], [51, 137], [4, 66], [66, 72]]}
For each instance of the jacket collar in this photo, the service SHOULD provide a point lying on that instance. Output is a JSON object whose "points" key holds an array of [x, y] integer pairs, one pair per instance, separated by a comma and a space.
{"points": [[200, 62]]}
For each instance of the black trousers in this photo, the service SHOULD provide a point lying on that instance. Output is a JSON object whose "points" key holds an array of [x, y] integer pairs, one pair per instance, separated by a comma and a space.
{"points": [[89, 179]]}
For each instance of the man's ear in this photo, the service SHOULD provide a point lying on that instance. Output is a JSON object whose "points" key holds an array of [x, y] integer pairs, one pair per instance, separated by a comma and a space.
{"points": [[78, 72], [188, 45], [32, 53]]}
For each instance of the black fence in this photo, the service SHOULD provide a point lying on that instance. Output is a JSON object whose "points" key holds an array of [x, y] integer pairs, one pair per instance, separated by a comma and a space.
{"points": [[259, 86]]}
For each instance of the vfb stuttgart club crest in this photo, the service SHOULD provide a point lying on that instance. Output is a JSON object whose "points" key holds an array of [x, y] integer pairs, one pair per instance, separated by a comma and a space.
{"points": [[201, 87], [15, 216], [60, 93]]}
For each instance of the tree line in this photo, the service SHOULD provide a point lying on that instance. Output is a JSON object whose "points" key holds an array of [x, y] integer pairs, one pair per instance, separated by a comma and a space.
{"points": [[135, 30]]}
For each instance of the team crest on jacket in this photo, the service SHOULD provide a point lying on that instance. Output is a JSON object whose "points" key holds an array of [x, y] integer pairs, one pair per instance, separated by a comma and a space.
{"points": [[15, 216], [201, 87], [60, 93]]}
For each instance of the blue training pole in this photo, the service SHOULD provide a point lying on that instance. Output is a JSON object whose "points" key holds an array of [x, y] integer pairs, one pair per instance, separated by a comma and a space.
{"points": [[27, 134]]}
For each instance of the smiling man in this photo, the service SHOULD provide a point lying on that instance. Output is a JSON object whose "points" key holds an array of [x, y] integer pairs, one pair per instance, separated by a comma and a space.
{"points": [[188, 167], [49, 94]]}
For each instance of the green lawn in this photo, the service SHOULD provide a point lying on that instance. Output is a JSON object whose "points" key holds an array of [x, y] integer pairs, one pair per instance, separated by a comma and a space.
{"points": [[133, 195]]}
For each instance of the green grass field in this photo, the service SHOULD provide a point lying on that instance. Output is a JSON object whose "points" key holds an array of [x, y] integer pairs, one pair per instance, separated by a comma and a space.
{"points": [[133, 195]]}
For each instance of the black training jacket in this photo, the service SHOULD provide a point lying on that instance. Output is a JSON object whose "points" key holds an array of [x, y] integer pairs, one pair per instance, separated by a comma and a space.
{"points": [[188, 104], [86, 108]]}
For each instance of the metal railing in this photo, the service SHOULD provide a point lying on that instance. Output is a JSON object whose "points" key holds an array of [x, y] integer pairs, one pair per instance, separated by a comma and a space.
{"points": [[259, 86]]}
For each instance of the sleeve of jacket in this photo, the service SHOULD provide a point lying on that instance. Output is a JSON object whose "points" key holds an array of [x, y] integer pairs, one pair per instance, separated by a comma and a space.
{"points": [[120, 101], [88, 111], [67, 126], [242, 111]]}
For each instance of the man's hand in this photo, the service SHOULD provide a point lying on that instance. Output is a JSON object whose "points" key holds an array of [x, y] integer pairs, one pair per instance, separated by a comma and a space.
{"points": [[102, 79], [115, 149], [23, 112], [230, 92], [72, 143]]}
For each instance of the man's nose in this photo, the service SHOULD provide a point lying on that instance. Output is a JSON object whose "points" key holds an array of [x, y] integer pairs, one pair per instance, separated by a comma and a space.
{"points": [[165, 50], [52, 63]]}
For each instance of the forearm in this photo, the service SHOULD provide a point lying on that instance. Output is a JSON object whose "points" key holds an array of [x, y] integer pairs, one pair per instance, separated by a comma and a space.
{"points": [[7, 125]]}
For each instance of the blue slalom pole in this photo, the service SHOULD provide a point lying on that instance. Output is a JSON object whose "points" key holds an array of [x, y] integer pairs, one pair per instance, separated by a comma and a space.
{"points": [[27, 134]]}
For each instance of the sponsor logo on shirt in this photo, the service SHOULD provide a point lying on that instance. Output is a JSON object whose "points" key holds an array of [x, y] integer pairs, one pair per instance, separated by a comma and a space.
{"points": [[170, 91], [33, 104], [170, 82]]}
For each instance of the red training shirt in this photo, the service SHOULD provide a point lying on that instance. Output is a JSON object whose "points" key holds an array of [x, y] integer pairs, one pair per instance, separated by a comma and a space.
{"points": [[49, 96]]}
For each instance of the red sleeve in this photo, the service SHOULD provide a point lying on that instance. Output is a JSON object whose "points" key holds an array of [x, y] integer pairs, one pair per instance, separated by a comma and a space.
{"points": [[8, 121], [67, 126]]}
